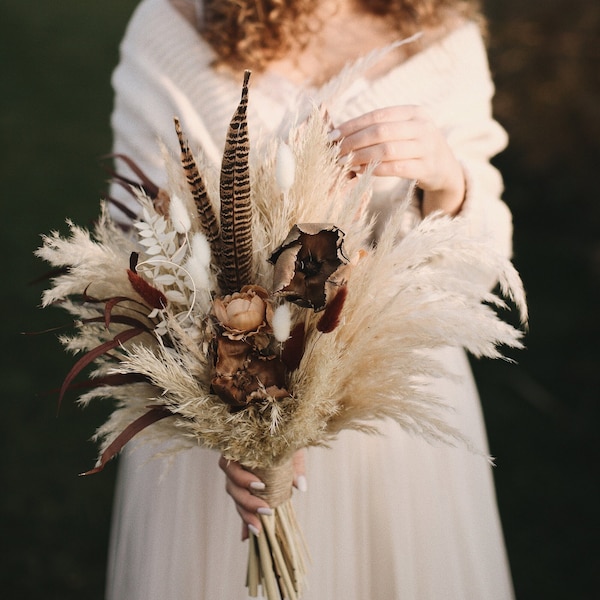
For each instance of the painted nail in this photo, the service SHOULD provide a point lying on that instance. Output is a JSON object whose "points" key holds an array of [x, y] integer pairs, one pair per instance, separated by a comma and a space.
{"points": [[334, 135], [264, 510], [257, 485], [301, 483], [254, 530]]}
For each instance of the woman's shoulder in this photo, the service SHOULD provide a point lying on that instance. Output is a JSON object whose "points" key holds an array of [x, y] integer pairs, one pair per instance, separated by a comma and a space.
{"points": [[164, 30]]}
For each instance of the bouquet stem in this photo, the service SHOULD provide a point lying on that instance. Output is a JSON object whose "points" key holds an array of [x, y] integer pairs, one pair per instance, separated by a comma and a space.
{"points": [[277, 557]]}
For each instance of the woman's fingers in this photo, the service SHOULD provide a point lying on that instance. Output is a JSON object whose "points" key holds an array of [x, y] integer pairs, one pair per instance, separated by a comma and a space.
{"points": [[381, 116], [403, 141], [393, 150], [299, 471], [388, 135], [239, 485]]}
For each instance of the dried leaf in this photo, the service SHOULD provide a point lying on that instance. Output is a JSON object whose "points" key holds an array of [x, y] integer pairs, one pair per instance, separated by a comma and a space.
{"points": [[331, 315], [95, 353], [293, 349], [155, 414]]}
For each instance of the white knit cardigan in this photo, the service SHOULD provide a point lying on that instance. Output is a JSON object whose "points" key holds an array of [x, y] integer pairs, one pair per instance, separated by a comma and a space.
{"points": [[166, 70]]}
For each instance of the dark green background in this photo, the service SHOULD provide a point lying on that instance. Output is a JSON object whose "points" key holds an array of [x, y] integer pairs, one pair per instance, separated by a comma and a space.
{"points": [[542, 414]]}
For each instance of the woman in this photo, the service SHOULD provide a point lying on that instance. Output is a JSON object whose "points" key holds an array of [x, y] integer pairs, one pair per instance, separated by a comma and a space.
{"points": [[386, 516]]}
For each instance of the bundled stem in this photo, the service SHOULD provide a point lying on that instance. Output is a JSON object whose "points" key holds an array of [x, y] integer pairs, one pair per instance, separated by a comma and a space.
{"points": [[277, 557]]}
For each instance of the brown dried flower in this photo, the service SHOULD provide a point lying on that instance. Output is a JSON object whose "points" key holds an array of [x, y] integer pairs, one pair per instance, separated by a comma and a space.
{"points": [[306, 262], [243, 375], [245, 313]]}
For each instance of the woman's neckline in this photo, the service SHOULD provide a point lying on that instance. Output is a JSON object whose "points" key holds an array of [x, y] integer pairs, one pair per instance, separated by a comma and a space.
{"points": [[381, 72]]}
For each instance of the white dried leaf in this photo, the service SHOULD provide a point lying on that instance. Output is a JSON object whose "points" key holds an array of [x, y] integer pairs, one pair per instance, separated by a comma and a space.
{"points": [[175, 296], [165, 279]]}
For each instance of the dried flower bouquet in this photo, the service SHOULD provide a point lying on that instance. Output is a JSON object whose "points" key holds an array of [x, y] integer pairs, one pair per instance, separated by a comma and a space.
{"points": [[267, 322]]}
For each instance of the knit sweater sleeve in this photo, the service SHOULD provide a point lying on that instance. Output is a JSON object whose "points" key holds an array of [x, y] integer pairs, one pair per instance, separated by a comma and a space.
{"points": [[476, 138], [164, 72], [465, 108], [451, 80]]}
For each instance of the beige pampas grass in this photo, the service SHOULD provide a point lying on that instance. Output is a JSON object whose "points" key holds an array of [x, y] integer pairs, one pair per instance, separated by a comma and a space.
{"points": [[406, 296]]}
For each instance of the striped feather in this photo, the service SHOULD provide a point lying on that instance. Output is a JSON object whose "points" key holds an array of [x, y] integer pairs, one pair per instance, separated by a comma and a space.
{"points": [[236, 206], [206, 213]]}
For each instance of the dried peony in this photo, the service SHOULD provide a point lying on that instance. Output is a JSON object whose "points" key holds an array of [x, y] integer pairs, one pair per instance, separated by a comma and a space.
{"points": [[306, 263], [244, 313]]}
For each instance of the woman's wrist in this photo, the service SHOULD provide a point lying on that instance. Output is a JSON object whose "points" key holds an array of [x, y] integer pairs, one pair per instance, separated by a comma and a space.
{"points": [[448, 199]]}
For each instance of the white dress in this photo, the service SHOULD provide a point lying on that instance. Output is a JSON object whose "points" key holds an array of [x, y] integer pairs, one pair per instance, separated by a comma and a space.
{"points": [[388, 517]]}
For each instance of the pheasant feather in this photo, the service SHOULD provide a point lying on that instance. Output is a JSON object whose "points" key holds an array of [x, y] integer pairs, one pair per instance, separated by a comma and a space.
{"points": [[206, 213], [236, 206]]}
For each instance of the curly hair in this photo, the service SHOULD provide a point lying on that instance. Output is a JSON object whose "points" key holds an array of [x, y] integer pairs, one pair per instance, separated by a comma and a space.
{"points": [[256, 32]]}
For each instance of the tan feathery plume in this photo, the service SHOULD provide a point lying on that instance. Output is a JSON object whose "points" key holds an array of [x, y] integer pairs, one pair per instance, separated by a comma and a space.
{"points": [[236, 205]]}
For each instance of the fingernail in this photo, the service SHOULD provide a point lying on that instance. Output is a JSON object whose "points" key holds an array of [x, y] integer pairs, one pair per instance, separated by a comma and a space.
{"points": [[257, 485], [301, 483], [342, 160], [254, 530], [334, 135], [264, 510]]}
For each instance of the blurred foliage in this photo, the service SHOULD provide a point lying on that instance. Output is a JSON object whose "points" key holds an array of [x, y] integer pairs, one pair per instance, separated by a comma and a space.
{"points": [[54, 118], [541, 414]]}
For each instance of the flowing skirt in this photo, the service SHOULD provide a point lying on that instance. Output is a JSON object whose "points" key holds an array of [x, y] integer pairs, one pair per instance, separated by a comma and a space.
{"points": [[385, 516]]}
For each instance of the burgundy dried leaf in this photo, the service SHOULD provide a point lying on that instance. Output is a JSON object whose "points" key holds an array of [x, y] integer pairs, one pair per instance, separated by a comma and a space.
{"points": [[109, 304], [149, 187], [55, 272], [120, 320], [293, 348], [154, 415], [130, 214], [108, 307], [93, 354], [113, 380], [331, 315]]}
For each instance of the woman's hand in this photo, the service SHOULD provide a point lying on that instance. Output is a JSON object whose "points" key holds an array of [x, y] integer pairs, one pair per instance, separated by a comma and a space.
{"points": [[240, 485], [404, 142]]}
